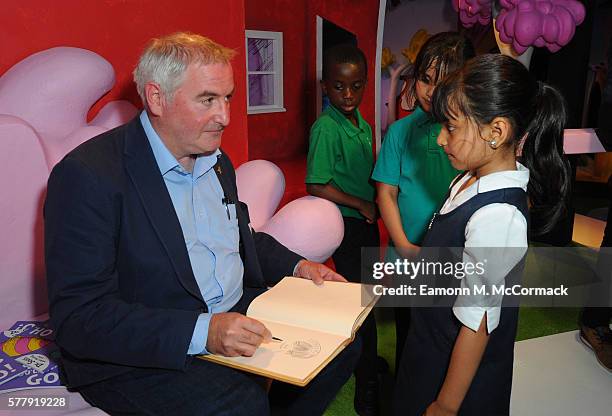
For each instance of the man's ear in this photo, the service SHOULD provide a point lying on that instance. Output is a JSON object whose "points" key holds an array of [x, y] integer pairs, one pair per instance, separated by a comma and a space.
{"points": [[155, 98], [499, 131]]}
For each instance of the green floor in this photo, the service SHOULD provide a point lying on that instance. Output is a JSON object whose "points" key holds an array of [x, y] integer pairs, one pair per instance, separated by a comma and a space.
{"points": [[533, 323]]}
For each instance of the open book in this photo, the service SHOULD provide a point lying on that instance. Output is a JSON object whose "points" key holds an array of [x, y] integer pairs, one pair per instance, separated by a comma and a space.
{"points": [[311, 324]]}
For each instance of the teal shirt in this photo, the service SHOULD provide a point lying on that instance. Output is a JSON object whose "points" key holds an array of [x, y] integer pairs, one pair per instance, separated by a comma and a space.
{"points": [[340, 153], [411, 159]]}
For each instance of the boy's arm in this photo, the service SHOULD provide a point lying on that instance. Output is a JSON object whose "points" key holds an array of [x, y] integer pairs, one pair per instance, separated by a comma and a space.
{"points": [[389, 211], [465, 359], [330, 192]]}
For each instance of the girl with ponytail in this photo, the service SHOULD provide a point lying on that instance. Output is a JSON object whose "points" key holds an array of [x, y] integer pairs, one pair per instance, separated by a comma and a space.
{"points": [[459, 359]]}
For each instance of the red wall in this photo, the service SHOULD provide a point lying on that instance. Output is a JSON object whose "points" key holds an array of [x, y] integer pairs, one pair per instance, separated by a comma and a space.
{"points": [[279, 136], [118, 31]]}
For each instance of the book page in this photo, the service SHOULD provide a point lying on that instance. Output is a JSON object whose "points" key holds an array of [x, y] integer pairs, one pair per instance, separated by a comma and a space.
{"points": [[331, 307], [296, 359]]}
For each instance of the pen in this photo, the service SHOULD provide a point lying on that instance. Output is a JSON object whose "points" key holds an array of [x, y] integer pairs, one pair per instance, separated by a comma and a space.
{"points": [[226, 202], [276, 339]]}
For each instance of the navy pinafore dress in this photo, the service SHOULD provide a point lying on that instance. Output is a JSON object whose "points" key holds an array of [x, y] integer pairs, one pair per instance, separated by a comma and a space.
{"points": [[433, 331]]}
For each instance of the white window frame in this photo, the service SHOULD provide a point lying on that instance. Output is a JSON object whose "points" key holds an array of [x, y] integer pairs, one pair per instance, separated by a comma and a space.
{"points": [[277, 38]]}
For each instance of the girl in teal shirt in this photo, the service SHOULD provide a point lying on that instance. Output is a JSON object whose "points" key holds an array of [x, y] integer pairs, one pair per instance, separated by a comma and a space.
{"points": [[412, 172]]}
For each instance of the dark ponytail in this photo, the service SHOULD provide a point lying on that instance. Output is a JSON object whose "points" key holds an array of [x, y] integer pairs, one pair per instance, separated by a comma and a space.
{"points": [[495, 85], [542, 154]]}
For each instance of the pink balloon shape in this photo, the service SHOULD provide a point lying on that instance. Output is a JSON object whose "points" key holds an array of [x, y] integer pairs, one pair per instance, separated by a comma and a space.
{"points": [[54, 89], [310, 226], [261, 185], [23, 177], [114, 114]]}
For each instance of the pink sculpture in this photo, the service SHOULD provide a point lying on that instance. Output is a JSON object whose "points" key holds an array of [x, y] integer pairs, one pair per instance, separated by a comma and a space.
{"points": [[261, 185], [23, 175], [54, 89], [114, 114], [525, 23], [310, 226], [540, 23], [44, 100]]}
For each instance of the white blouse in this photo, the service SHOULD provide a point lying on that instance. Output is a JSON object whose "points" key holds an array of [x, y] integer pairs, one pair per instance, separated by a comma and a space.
{"points": [[489, 228]]}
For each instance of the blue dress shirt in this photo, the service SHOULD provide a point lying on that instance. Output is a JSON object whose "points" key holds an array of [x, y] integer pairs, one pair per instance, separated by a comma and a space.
{"points": [[210, 229]]}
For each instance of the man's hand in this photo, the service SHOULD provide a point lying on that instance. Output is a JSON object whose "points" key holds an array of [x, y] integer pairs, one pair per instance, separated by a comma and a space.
{"points": [[232, 334], [316, 272], [369, 211], [436, 409]]}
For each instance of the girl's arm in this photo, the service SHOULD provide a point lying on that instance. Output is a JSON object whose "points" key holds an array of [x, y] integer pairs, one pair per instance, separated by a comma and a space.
{"points": [[391, 98], [331, 193], [465, 359], [389, 211]]}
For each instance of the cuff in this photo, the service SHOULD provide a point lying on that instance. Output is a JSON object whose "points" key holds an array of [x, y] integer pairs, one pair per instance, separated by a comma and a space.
{"points": [[294, 274], [471, 316], [200, 335]]}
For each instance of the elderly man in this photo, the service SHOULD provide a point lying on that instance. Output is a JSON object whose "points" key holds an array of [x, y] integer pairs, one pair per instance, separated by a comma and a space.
{"points": [[150, 258]]}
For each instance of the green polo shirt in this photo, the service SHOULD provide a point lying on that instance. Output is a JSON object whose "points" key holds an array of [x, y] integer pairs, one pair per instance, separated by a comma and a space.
{"points": [[340, 153], [411, 159]]}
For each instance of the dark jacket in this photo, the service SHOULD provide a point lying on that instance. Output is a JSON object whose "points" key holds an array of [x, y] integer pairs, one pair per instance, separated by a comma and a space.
{"points": [[122, 293]]}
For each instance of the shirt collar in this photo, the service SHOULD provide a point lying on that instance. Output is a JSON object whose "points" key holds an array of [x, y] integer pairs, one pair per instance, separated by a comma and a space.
{"points": [[349, 128], [166, 160], [422, 118], [518, 178]]}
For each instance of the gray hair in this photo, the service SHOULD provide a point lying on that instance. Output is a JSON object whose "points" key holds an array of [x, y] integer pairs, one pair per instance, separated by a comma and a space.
{"points": [[165, 60]]}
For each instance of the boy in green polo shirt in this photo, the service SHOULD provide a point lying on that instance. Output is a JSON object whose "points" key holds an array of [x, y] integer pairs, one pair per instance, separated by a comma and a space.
{"points": [[340, 162]]}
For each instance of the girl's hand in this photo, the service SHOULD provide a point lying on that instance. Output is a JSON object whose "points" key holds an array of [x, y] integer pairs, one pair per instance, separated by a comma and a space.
{"points": [[408, 252], [397, 71], [435, 409]]}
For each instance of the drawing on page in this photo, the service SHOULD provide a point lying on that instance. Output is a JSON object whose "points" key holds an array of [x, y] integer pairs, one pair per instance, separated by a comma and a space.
{"points": [[301, 348]]}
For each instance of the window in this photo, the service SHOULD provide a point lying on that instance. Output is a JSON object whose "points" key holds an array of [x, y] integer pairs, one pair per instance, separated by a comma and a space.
{"points": [[264, 51]]}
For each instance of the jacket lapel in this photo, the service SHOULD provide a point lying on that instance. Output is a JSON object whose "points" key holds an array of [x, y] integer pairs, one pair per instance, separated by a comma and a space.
{"points": [[149, 184]]}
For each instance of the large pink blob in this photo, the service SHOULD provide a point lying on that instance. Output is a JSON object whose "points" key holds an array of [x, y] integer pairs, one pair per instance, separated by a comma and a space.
{"points": [[54, 89], [541, 23], [44, 101], [23, 176], [525, 23], [310, 226], [261, 185]]}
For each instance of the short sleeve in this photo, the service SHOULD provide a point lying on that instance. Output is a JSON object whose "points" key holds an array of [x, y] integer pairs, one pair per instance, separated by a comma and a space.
{"points": [[387, 169], [321, 154], [496, 236]]}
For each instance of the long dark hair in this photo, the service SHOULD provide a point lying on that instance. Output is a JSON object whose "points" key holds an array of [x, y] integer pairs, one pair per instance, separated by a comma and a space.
{"points": [[446, 51], [494, 85]]}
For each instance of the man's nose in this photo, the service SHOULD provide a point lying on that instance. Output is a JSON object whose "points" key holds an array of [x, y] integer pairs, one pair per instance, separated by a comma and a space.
{"points": [[223, 114]]}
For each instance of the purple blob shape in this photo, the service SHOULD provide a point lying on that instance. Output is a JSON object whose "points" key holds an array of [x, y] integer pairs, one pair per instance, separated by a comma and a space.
{"points": [[472, 11], [549, 23]]}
